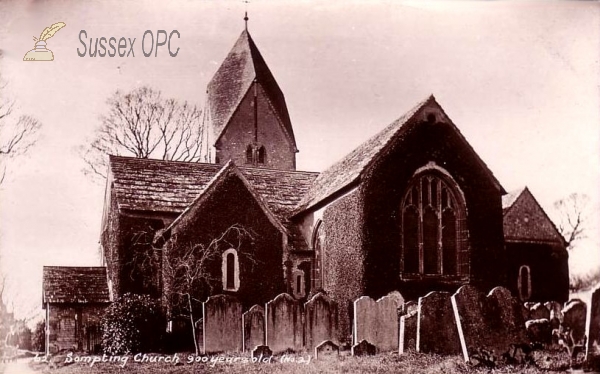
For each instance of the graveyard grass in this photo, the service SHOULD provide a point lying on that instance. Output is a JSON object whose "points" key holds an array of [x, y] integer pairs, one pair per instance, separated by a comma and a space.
{"points": [[410, 362]]}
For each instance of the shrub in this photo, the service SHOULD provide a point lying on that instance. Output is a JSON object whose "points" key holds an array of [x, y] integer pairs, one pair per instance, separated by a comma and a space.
{"points": [[133, 323], [38, 339]]}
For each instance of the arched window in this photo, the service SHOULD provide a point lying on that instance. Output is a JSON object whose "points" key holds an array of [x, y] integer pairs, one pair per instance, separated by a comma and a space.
{"points": [[262, 155], [249, 154], [433, 236], [319, 276], [230, 270], [524, 283]]}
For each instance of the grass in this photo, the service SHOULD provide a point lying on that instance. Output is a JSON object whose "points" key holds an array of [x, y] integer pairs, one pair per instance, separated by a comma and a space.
{"points": [[411, 362]]}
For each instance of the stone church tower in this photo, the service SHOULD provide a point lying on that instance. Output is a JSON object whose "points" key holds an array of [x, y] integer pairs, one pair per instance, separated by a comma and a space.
{"points": [[248, 118]]}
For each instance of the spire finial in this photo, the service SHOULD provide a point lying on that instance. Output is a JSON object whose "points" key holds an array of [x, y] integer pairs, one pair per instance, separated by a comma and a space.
{"points": [[246, 16]]}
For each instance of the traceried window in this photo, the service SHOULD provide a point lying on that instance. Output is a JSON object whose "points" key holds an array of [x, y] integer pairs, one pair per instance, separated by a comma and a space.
{"points": [[432, 220], [230, 269]]}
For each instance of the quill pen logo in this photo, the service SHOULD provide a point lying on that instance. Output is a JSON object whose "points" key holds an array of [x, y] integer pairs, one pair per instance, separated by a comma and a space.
{"points": [[40, 52]]}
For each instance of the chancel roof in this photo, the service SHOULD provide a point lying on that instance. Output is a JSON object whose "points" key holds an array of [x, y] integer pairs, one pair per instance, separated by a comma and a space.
{"points": [[349, 169]]}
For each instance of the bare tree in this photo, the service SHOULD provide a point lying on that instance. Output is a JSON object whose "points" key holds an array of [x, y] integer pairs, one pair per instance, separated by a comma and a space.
{"points": [[17, 134], [6, 318], [143, 124], [572, 215], [188, 278]]}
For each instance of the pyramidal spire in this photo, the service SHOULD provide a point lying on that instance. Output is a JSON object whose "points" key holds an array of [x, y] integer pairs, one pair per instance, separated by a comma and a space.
{"points": [[241, 86]]}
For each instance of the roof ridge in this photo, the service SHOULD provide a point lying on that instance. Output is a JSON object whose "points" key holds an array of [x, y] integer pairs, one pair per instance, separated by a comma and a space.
{"points": [[138, 159], [279, 170], [229, 167], [350, 168], [395, 125], [511, 198]]}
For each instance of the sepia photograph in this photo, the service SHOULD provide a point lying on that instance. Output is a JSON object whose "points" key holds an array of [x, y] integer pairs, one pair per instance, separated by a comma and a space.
{"points": [[311, 186]]}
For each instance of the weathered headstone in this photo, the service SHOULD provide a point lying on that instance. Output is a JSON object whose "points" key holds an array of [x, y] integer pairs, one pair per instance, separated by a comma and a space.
{"points": [[470, 313], [555, 309], [321, 320], [253, 323], [556, 315], [409, 307], [408, 331], [284, 324], [529, 304], [261, 351], [327, 350], [221, 327], [364, 348], [539, 331], [592, 352], [574, 316], [489, 323], [539, 311], [436, 326], [377, 321], [507, 318]]}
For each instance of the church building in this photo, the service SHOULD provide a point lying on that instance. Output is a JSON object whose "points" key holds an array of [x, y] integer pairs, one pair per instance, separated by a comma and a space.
{"points": [[412, 209]]}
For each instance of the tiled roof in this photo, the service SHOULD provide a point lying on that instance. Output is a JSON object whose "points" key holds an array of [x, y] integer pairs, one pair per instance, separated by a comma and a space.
{"points": [[65, 284], [227, 171], [170, 186], [349, 169], [233, 79], [509, 199], [525, 219]]}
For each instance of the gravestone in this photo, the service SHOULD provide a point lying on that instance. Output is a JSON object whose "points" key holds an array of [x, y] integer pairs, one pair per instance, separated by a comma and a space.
{"points": [[592, 351], [489, 323], [261, 351], [253, 324], [221, 327], [555, 309], [408, 331], [539, 311], [409, 307], [574, 317], [377, 321], [327, 350], [539, 331], [321, 320], [436, 326], [364, 348], [556, 315], [529, 305], [283, 324], [507, 319]]}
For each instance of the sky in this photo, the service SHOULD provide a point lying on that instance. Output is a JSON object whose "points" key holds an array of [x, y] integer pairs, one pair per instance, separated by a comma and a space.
{"points": [[519, 79]]}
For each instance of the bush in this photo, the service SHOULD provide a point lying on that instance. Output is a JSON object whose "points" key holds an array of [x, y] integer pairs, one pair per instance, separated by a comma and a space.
{"points": [[38, 339], [133, 323]]}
